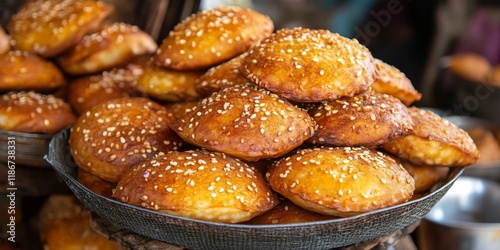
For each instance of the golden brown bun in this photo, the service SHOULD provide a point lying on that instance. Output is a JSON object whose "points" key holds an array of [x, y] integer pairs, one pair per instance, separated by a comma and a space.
{"points": [[470, 66], [4, 42], [120, 133], [245, 122], [110, 46], [49, 27], [86, 92], [178, 109], [341, 181], [486, 143], [285, 213], [390, 80], [221, 76], [367, 119], [494, 77], [169, 85], [31, 112], [65, 224], [434, 141], [95, 184], [425, 176], [197, 184], [27, 71], [211, 37], [307, 65]]}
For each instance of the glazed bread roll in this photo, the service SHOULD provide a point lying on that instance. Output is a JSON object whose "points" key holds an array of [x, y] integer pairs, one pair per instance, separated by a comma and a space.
{"points": [[245, 122], [25, 71], [211, 37], [4, 42], [197, 184], [341, 181], [366, 119], [120, 133], [88, 91], [425, 176], [434, 141], [31, 112], [390, 80], [111, 46], [305, 65], [51, 27], [95, 184]]}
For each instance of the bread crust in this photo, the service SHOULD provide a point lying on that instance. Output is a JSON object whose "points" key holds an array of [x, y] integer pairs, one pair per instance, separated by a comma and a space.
{"points": [[390, 80]]}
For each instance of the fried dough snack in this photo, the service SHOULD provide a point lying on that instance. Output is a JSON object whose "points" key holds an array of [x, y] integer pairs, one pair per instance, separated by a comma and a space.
{"points": [[169, 85], [305, 65], [110, 46], [27, 71], [197, 184], [341, 181], [425, 176], [49, 27], [470, 66], [392, 81], [285, 213], [86, 92], [221, 76], [434, 141], [245, 122], [211, 37], [4, 42], [367, 119], [120, 133], [96, 184], [31, 112]]}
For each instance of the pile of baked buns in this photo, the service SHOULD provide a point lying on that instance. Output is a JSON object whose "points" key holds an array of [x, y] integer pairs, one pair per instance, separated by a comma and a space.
{"points": [[230, 120]]}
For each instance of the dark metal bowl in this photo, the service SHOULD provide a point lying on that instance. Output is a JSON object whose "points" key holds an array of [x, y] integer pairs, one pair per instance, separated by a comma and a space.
{"points": [[197, 234]]}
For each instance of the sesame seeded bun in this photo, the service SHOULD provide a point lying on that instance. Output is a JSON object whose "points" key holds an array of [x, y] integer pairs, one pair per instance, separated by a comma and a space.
{"points": [[305, 65], [178, 109], [221, 76], [245, 122], [211, 37], [96, 184], [88, 91], [390, 80], [197, 184], [425, 176], [31, 112], [24, 71], [367, 119], [169, 85], [50, 27], [110, 46], [341, 181], [4, 41], [285, 213], [120, 133], [434, 141]]}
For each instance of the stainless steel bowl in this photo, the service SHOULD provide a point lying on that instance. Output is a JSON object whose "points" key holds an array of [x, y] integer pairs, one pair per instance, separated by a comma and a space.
{"points": [[467, 217]]}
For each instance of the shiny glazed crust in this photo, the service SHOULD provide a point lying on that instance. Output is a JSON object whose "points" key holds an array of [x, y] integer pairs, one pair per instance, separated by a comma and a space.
{"points": [[4, 41], [341, 181], [211, 37], [197, 184], [425, 176]]}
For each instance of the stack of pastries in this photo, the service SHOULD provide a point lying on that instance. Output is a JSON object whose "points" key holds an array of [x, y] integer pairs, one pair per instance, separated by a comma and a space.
{"points": [[229, 117]]}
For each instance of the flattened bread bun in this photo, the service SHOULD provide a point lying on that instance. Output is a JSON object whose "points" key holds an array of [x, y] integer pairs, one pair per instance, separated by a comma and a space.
{"points": [[211, 37], [120, 133], [48, 27], [305, 65], [246, 122], [169, 85], [4, 41], [390, 80], [96, 184], [425, 176], [110, 46], [197, 184], [221, 76], [434, 141], [31, 112], [88, 91], [285, 213], [470, 66], [24, 71], [367, 119], [341, 181]]}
